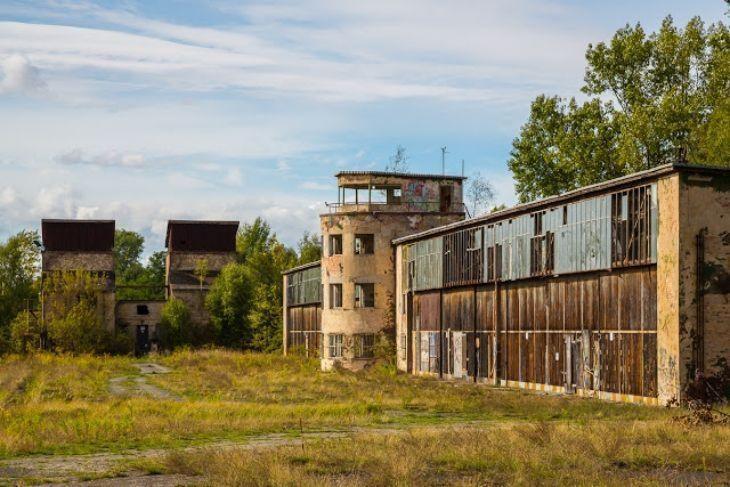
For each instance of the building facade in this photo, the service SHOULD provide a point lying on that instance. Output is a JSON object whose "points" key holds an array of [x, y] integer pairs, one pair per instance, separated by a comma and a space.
{"points": [[196, 252], [80, 245], [357, 271], [619, 290]]}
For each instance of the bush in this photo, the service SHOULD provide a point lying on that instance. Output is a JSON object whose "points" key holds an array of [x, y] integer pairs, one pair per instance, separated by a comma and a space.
{"points": [[25, 333], [175, 328]]}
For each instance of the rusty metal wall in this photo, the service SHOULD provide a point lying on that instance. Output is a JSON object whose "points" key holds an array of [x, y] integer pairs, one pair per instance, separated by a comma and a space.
{"points": [[427, 256]]}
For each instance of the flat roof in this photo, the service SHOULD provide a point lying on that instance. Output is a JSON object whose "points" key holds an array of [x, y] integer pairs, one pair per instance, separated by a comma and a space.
{"points": [[201, 235], [405, 175], [565, 197], [302, 267]]}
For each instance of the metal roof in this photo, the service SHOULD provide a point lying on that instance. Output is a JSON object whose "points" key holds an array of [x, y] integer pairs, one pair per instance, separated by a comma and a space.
{"points": [[570, 195], [406, 175], [303, 267], [201, 235], [77, 235]]}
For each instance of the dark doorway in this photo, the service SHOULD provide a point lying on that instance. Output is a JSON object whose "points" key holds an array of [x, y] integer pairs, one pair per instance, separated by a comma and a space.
{"points": [[143, 340], [445, 199]]}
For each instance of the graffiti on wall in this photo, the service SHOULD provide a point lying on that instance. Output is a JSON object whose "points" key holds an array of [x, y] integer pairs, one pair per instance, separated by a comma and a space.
{"points": [[420, 196]]}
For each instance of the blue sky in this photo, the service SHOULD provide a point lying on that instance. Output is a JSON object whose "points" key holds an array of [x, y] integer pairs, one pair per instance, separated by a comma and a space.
{"points": [[146, 111]]}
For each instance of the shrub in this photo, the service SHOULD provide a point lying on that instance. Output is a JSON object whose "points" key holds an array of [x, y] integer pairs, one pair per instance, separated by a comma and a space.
{"points": [[175, 328]]}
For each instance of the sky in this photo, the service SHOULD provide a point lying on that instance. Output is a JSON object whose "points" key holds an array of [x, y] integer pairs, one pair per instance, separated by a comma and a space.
{"points": [[144, 111]]}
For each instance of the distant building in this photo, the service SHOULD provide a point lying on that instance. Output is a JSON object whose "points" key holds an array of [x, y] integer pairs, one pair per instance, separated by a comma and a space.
{"points": [[336, 310], [81, 245], [197, 250]]}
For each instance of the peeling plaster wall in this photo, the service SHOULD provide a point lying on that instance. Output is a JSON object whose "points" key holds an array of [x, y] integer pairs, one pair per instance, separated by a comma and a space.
{"points": [[668, 323], [705, 206], [378, 268]]}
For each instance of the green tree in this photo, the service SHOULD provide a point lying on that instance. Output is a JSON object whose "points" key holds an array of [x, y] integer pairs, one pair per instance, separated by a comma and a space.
{"points": [[309, 248], [229, 302], [656, 98], [149, 280], [253, 238], [18, 279], [74, 308], [175, 329]]}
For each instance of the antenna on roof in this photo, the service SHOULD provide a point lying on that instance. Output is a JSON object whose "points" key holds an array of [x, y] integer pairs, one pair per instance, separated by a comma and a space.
{"points": [[443, 160], [462, 168]]}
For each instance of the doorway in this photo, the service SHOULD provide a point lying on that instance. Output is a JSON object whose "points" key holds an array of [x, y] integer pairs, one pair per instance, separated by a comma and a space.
{"points": [[445, 198], [142, 342]]}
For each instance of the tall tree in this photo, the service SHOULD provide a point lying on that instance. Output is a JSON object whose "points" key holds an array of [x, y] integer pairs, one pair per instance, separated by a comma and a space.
{"points": [[398, 161], [309, 248], [479, 193], [18, 283], [658, 98]]}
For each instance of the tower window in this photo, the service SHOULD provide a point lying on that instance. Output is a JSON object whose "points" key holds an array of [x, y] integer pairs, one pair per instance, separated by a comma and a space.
{"points": [[335, 296], [364, 295], [335, 244], [364, 243]]}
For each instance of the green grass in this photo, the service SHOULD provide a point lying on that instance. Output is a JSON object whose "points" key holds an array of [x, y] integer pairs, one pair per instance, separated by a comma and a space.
{"points": [[62, 404]]}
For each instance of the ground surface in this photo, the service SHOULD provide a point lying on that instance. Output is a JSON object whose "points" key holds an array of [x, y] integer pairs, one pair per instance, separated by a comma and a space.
{"points": [[223, 418]]}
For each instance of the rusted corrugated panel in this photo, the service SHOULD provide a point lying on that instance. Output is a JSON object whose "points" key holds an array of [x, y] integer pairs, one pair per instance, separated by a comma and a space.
{"points": [[201, 236], [427, 256], [78, 235], [463, 257]]}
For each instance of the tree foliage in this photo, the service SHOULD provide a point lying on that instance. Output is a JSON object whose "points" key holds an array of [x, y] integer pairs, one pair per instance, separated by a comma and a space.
{"points": [[130, 271], [18, 284], [653, 99], [175, 329], [479, 193], [309, 248], [398, 162]]}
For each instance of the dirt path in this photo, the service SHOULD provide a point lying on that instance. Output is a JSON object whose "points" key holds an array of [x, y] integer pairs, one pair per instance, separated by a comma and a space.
{"points": [[132, 386]]}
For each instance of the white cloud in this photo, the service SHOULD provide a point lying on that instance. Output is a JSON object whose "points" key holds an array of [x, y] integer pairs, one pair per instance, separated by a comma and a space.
{"points": [[7, 196], [107, 159], [234, 177], [316, 186], [19, 75]]}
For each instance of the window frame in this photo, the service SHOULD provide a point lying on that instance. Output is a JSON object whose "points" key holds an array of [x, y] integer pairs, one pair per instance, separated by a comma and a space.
{"points": [[361, 348], [332, 294], [364, 237], [335, 345], [361, 301], [333, 249]]}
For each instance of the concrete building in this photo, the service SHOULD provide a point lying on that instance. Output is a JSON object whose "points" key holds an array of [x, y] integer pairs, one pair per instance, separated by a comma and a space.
{"points": [[357, 272], [81, 245], [620, 290], [196, 252]]}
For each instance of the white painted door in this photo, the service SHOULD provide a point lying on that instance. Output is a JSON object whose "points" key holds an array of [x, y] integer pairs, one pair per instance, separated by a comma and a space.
{"points": [[457, 350]]}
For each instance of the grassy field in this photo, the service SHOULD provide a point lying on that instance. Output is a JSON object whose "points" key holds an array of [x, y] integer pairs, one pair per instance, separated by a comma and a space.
{"points": [[64, 405]]}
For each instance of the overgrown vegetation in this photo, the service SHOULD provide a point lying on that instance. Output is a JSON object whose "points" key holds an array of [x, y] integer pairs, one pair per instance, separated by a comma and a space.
{"points": [[63, 404], [653, 99], [535, 453]]}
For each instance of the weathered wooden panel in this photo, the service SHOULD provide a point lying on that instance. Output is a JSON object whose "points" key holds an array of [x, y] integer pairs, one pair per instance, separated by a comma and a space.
{"points": [[485, 304], [427, 311], [458, 310]]}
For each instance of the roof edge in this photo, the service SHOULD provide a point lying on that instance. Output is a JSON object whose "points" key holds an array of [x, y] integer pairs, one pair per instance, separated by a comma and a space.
{"points": [[400, 175], [302, 267]]}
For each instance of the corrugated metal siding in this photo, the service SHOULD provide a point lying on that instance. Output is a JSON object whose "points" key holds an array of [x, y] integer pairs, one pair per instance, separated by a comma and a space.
{"points": [[201, 236], [428, 258], [304, 287], [78, 235]]}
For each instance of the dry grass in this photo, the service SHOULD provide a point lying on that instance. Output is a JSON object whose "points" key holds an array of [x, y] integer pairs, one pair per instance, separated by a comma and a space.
{"points": [[558, 453], [62, 404]]}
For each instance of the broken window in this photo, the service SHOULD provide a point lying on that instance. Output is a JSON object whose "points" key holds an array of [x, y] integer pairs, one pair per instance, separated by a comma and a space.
{"points": [[335, 296], [142, 309], [335, 345], [463, 259], [364, 243], [364, 345], [335, 245], [542, 247], [364, 295], [631, 226]]}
